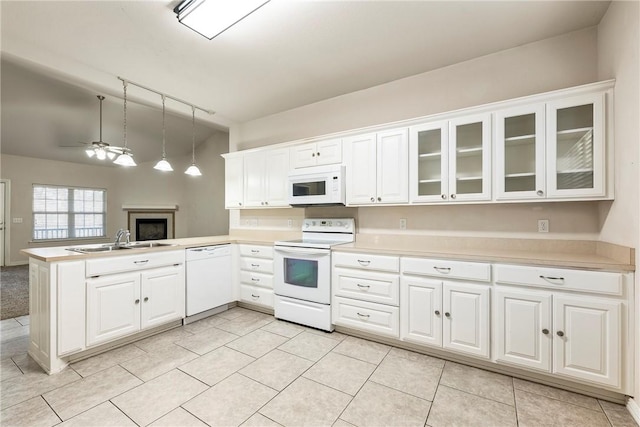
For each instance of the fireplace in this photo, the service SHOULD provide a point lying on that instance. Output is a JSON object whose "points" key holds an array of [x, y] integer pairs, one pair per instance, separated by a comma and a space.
{"points": [[151, 224], [151, 229]]}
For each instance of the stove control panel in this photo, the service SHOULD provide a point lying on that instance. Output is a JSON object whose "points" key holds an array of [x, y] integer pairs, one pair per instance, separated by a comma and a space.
{"points": [[329, 225]]}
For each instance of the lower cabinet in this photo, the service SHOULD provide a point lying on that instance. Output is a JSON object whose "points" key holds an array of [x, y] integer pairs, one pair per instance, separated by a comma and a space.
{"points": [[256, 275], [570, 335], [452, 315], [122, 304]]}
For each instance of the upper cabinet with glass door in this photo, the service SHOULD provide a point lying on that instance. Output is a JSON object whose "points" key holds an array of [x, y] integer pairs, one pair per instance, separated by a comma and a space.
{"points": [[520, 150], [429, 156], [575, 147]]}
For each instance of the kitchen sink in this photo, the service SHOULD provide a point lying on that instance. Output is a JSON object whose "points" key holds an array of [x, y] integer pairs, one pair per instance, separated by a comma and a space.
{"points": [[94, 249], [138, 245], [112, 247]]}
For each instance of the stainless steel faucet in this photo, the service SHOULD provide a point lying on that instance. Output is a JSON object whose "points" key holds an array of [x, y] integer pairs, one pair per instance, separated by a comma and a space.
{"points": [[120, 233]]}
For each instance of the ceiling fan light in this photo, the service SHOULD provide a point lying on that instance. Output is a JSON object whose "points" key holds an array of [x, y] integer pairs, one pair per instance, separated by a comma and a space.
{"points": [[90, 152], [101, 153], [111, 155], [125, 159], [163, 165], [193, 170]]}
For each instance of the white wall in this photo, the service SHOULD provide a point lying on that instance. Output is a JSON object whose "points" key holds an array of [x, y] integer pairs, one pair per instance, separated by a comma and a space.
{"points": [[559, 62], [618, 57], [200, 199]]}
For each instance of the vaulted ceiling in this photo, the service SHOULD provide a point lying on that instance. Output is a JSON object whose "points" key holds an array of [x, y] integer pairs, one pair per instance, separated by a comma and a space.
{"points": [[58, 55]]}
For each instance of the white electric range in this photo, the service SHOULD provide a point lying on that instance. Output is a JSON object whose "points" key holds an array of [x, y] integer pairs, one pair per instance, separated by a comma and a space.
{"points": [[302, 271]]}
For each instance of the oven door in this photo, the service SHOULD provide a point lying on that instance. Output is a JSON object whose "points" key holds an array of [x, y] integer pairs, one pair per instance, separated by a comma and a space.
{"points": [[303, 273]]}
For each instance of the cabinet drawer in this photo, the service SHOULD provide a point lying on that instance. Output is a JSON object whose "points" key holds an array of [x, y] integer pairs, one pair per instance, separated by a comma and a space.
{"points": [[256, 295], [377, 318], [367, 286], [367, 261], [110, 265], [256, 264], [257, 251], [256, 279], [447, 269], [600, 282]]}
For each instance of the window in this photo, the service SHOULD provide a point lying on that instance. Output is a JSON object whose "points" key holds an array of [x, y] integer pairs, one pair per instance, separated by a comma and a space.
{"points": [[68, 212]]}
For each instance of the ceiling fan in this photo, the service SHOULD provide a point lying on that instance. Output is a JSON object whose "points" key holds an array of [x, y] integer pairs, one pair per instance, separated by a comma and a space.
{"points": [[100, 149]]}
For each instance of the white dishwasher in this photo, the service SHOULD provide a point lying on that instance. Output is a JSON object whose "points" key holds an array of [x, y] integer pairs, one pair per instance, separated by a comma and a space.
{"points": [[208, 278]]}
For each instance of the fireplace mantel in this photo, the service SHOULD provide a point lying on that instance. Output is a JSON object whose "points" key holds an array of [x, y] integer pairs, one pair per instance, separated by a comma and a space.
{"points": [[149, 208]]}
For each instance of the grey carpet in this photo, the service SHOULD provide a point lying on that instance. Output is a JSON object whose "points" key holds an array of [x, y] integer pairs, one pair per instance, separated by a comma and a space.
{"points": [[14, 291]]}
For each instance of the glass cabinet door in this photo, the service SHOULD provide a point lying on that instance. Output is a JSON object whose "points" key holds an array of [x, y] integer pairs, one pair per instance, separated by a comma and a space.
{"points": [[470, 158], [429, 162], [520, 143], [576, 146]]}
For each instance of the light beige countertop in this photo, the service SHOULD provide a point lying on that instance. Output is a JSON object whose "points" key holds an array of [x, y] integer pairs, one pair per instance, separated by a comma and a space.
{"points": [[542, 252]]}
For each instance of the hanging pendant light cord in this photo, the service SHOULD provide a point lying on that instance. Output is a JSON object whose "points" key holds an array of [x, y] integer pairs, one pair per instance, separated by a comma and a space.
{"points": [[124, 84], [164, 154], [193, 135]]}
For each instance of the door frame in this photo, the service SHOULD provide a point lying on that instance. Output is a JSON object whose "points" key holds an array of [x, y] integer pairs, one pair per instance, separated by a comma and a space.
{"points": [[6, 243]]}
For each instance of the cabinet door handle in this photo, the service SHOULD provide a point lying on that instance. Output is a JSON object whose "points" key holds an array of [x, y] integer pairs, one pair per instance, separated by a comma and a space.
{"points": [[255, 296], [266, 203], [239, 203], [560, 333], [318, 154], [447, 314], [379, 199], [146, 299], [540, 193], [443, 196], [545, 331], [137, 301], [437, 312], [144, 261], [443, 270], [313, 154], [364, 263], [363, 286], [453, 196], [551, 279], [366, 316], [373, 199]]}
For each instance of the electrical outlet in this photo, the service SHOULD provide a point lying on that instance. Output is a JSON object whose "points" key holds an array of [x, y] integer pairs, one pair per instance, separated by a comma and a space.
{"points": [[17, 220], [290, 223], [543, 226], [403, 223]]}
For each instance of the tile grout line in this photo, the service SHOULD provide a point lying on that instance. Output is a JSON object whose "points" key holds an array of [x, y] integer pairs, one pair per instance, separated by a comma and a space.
{"points": [[51, 407]]}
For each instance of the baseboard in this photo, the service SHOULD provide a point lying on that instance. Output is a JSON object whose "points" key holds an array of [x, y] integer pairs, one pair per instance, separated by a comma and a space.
{"points": [[634, 409], [17, 263]]}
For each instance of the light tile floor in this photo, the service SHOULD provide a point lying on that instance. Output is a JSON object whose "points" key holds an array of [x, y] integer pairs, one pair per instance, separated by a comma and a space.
{"points": [[245, 368]]}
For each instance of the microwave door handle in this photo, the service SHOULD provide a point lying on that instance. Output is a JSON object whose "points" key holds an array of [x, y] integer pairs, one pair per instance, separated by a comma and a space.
{"points": [[302, 251]]}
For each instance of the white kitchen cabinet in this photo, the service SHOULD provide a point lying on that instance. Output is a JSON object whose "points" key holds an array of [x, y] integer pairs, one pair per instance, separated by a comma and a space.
{"points": [[234, 182], [575, 147], [520, 140], [265, 178], [451, 160], [445, 314], [121, 304], [377, 168], [256, 275], [113, 307], [319, 153]]}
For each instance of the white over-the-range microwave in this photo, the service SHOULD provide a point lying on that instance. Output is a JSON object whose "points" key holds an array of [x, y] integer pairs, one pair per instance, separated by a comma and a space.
{"points": [[319, 185]]}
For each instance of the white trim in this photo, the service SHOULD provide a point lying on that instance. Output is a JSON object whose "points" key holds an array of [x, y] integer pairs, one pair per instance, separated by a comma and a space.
{"points": [[149, 207], [7, 229], [634, 409]]}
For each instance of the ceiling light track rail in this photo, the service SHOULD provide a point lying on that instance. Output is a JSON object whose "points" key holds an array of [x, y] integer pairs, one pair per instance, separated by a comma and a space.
{"points": [[210, 112]]}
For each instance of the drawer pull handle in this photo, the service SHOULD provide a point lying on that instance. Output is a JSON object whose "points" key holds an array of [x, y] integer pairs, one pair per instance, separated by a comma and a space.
{"points": [[253, 279], [437, 312], [560, 333], [363, 286], [545, 331], [255, 251], [443, 270], [144, 261], [366, 316], [255, 296], [551, 279], [364, 262], [255, 265], [447, 314]]}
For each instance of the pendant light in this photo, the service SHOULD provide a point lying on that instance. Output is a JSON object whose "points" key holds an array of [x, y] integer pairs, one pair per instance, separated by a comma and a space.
{"points": [[163, 164], [125, 159], [193, 169]]}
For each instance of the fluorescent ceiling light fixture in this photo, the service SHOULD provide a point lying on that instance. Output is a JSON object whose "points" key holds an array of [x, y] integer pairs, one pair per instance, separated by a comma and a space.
{"points": [[212, 17]]}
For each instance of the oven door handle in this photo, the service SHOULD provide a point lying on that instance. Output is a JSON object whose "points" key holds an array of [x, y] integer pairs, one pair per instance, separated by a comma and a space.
{"points": [[302, 251]]}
